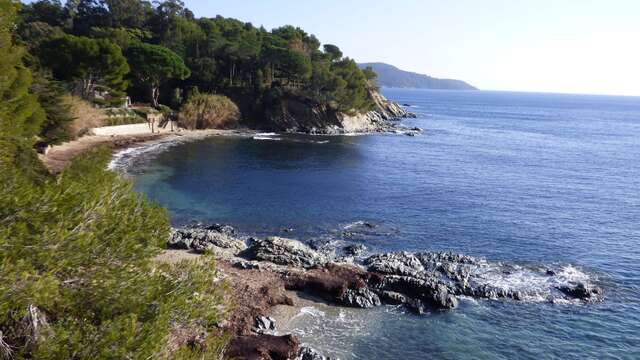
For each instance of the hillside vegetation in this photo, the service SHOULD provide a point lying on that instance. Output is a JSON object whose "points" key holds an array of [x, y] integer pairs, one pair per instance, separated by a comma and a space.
{"points": [[78, 279], [161, 53]]}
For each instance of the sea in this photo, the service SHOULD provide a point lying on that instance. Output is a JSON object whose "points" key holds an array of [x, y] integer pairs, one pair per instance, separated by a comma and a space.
{"points": [[518, 178]]}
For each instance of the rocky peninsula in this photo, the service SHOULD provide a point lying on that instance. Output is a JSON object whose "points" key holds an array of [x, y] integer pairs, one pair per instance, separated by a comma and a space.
{"points": [[264, 274], [291, 113]]}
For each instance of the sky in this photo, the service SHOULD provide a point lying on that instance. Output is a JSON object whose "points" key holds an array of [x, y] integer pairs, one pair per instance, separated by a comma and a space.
{"points": [[567, 46]]}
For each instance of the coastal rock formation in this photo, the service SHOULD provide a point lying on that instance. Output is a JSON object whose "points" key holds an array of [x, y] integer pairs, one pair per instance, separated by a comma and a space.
{"points": [[284, 251], [260, 276], [343, 284], [263, 347], [296, 114], [354, 250], [216, 238], [582, 291], [307, 353]]}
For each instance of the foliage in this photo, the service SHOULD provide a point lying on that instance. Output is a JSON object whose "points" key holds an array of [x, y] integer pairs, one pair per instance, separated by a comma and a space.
{"points": [[120, 116], [154, 64], [78, 275], [79, 249], [206, 111], [222, 55], [52, 98], [89, 62], [20, 113], [333, 52], [85, 116]]}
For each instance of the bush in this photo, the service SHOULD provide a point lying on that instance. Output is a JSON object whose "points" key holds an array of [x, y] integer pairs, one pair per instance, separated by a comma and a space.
{"points": [[119, 116], [78, 278], [206, 111], [85, 116]]}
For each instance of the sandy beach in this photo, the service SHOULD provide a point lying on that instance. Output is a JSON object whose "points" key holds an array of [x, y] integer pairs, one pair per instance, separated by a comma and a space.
{"points": [[122, 137]]}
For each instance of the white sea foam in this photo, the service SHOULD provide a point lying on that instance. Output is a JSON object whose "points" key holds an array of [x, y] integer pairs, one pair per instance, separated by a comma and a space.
{"points": [[123, 159], [533, 283], [267, 136], [354, 224], [311, 311]]}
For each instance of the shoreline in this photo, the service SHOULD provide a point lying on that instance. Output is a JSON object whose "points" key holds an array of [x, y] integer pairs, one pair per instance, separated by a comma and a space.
{"points": [[277, 290], [58, 157], [272, 279]]}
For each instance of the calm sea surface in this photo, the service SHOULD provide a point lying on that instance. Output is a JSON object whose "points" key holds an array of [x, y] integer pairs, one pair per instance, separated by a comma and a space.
{"points": [[515, 177]]}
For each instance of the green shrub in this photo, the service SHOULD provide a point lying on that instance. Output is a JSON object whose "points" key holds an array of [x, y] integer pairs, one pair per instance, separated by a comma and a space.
{"points": [[78, 278], [56, 127], [206, 111]]}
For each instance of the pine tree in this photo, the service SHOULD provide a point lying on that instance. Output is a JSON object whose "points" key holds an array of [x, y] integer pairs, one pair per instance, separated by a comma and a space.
{"points": [[20, 114]]}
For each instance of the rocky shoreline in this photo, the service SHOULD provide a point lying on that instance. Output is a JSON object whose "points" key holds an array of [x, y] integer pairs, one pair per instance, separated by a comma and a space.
{"points": [[293, 114], [265, 273]]}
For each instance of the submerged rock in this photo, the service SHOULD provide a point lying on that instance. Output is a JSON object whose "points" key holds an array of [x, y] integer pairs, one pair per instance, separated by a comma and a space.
{"points": [[582, 291]]}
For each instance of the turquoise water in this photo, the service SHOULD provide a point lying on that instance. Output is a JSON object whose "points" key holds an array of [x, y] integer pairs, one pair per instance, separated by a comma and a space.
{"points": [[517, 177]]}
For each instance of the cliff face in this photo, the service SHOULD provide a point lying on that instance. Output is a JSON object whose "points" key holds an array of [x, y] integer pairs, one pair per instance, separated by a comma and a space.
{"points": [[295, 114]]}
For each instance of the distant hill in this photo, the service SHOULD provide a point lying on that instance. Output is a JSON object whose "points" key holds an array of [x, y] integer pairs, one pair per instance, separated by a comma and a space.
{"points": [[391, 76]]}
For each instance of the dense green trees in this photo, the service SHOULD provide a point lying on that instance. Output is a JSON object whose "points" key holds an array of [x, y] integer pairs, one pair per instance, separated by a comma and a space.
{"points": [[20, 113], [153, 64], [57, 113], [86, 62], [222, 55]]}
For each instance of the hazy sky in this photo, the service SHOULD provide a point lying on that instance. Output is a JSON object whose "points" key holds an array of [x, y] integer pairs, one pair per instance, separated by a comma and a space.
{"points": [[576, 46]]}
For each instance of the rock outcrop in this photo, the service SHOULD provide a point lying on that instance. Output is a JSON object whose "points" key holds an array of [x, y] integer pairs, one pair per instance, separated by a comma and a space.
{"points": [[292, 113], [307, 353], [218, 239], [284, 251], [261, 274]]}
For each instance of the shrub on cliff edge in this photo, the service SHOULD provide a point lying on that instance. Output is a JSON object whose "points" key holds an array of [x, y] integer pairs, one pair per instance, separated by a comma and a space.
{"points": [[206, 111]]}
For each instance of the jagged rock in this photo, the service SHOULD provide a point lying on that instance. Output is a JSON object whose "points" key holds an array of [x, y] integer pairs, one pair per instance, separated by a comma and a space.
{"points": [[294, 113], [265, 323], [360, 298], [393, 298], [225, 229], [443, 299], [582, 291], [284, 251], [307, 353], [403, 263], [355, 250], [246, 265], [203, 239], [430, 291]]}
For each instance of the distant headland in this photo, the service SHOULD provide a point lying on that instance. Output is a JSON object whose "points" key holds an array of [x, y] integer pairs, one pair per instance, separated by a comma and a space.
{"points": [[391, 76]]}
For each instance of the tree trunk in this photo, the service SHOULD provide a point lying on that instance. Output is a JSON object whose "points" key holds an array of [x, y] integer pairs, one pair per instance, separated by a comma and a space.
{"points": [[154, 94]]}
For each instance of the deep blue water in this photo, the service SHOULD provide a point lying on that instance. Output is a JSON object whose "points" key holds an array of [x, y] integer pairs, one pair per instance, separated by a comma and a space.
{"points": [[519, 177]]}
